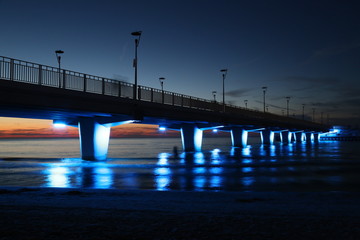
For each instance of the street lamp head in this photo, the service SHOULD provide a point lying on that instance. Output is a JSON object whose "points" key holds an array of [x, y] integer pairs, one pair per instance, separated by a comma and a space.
{"points": [[288, 98], [223, 70], [138, 33], [214, 92], [264, 88], [161, 79], [59, 51]]}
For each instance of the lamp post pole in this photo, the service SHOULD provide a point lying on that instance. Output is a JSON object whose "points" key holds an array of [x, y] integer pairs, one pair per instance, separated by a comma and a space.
{"points": [[162, 88], [224, 71], [287, 106], [246, 102], [58, 57], [135, 63], [264, 91]]}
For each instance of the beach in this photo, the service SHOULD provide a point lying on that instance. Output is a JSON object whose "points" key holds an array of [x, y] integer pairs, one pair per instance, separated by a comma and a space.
{"points": [[57, 213]]}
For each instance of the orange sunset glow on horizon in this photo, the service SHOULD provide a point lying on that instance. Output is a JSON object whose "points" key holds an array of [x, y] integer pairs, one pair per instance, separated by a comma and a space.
{"points": [[39, 128]]}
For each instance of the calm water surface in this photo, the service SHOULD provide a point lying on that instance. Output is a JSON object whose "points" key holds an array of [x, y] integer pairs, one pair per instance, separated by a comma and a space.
{"points": [[150, 164]]}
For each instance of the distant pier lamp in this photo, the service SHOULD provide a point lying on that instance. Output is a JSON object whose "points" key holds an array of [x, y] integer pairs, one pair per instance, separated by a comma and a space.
{"points": [[246, 102], [264, 93], [58, 57], [214, 95], [162, 128], [162, 88], [224, 73], [59, 124], [287, 106], [135, 63], [267, 108]]}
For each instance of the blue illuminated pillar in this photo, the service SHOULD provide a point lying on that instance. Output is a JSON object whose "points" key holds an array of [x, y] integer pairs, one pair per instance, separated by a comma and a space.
{"points": [[239, 137], [191, 137], [299, 136], [94, 139], [309, 137], [285, 136], [316, 137], [267, 137]]}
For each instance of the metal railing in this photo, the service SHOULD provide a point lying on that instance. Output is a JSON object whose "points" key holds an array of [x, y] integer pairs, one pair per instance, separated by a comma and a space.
{"points": [[33, 73]]}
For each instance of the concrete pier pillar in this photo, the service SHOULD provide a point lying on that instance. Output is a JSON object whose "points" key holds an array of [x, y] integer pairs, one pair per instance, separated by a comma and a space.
{"points": [[267, 137], [239, 137], [285, 136], [316, 137], [309, 137], [299, 136], [94, 139], [191, 137]]}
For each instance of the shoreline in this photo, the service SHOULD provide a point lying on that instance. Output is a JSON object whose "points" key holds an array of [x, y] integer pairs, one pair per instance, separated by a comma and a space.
{"points": [[56, 213]]}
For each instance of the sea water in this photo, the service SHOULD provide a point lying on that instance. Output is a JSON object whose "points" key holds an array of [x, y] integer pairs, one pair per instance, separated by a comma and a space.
{"points": [[152, 164]]}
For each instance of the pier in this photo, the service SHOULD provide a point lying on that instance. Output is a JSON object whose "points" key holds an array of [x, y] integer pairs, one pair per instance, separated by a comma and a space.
{"points": [[95, 104]]}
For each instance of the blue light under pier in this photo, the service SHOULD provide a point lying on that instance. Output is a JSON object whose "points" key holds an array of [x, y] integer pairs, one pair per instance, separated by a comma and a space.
{"points": [[239, 137], [267, 137], [285, 136], [191, 137]]}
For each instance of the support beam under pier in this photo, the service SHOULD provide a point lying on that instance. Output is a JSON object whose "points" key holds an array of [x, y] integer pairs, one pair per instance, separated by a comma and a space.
{"points": [[299, 136], [94, 139], [285, 136], [267, 137], [316, 137], [239, 137], [309, 137], [191, 137]]}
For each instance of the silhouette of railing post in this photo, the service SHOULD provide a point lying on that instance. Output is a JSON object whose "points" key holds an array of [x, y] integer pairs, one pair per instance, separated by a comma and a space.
{"points": [[119, 92], [40, 75], [173, 99], [139, 93], [103, 86], [84, 83], [12, 69], [182, 100], [64, 79]]}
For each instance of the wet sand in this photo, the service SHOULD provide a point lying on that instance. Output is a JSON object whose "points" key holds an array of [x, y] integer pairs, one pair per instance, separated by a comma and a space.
{"points": [[52, 213]]}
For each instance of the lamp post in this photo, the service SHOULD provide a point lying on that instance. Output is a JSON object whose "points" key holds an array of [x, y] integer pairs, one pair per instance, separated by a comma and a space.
{"points": [[267, 108], [287, 106], [214, 95], [224, 71], [58, 57], [246, 102], [135, 63], [264, 91], [303, 113], [162, 88]]}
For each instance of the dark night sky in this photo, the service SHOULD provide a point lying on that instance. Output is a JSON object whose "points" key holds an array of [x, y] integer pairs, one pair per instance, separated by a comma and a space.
{"points": [[308, 50]]}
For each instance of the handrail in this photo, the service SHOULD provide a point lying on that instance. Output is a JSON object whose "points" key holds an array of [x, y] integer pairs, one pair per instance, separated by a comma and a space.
{"points": [[34, 73]]}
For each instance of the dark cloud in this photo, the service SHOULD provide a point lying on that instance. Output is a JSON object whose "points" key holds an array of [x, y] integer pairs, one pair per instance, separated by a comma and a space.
{"points": [[313, 80], [238, 92], [120, 78], [335, 50]]}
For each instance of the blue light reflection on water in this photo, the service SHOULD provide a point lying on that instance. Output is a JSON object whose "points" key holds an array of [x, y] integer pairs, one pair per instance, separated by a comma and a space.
{"points": [[257, 167]]}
